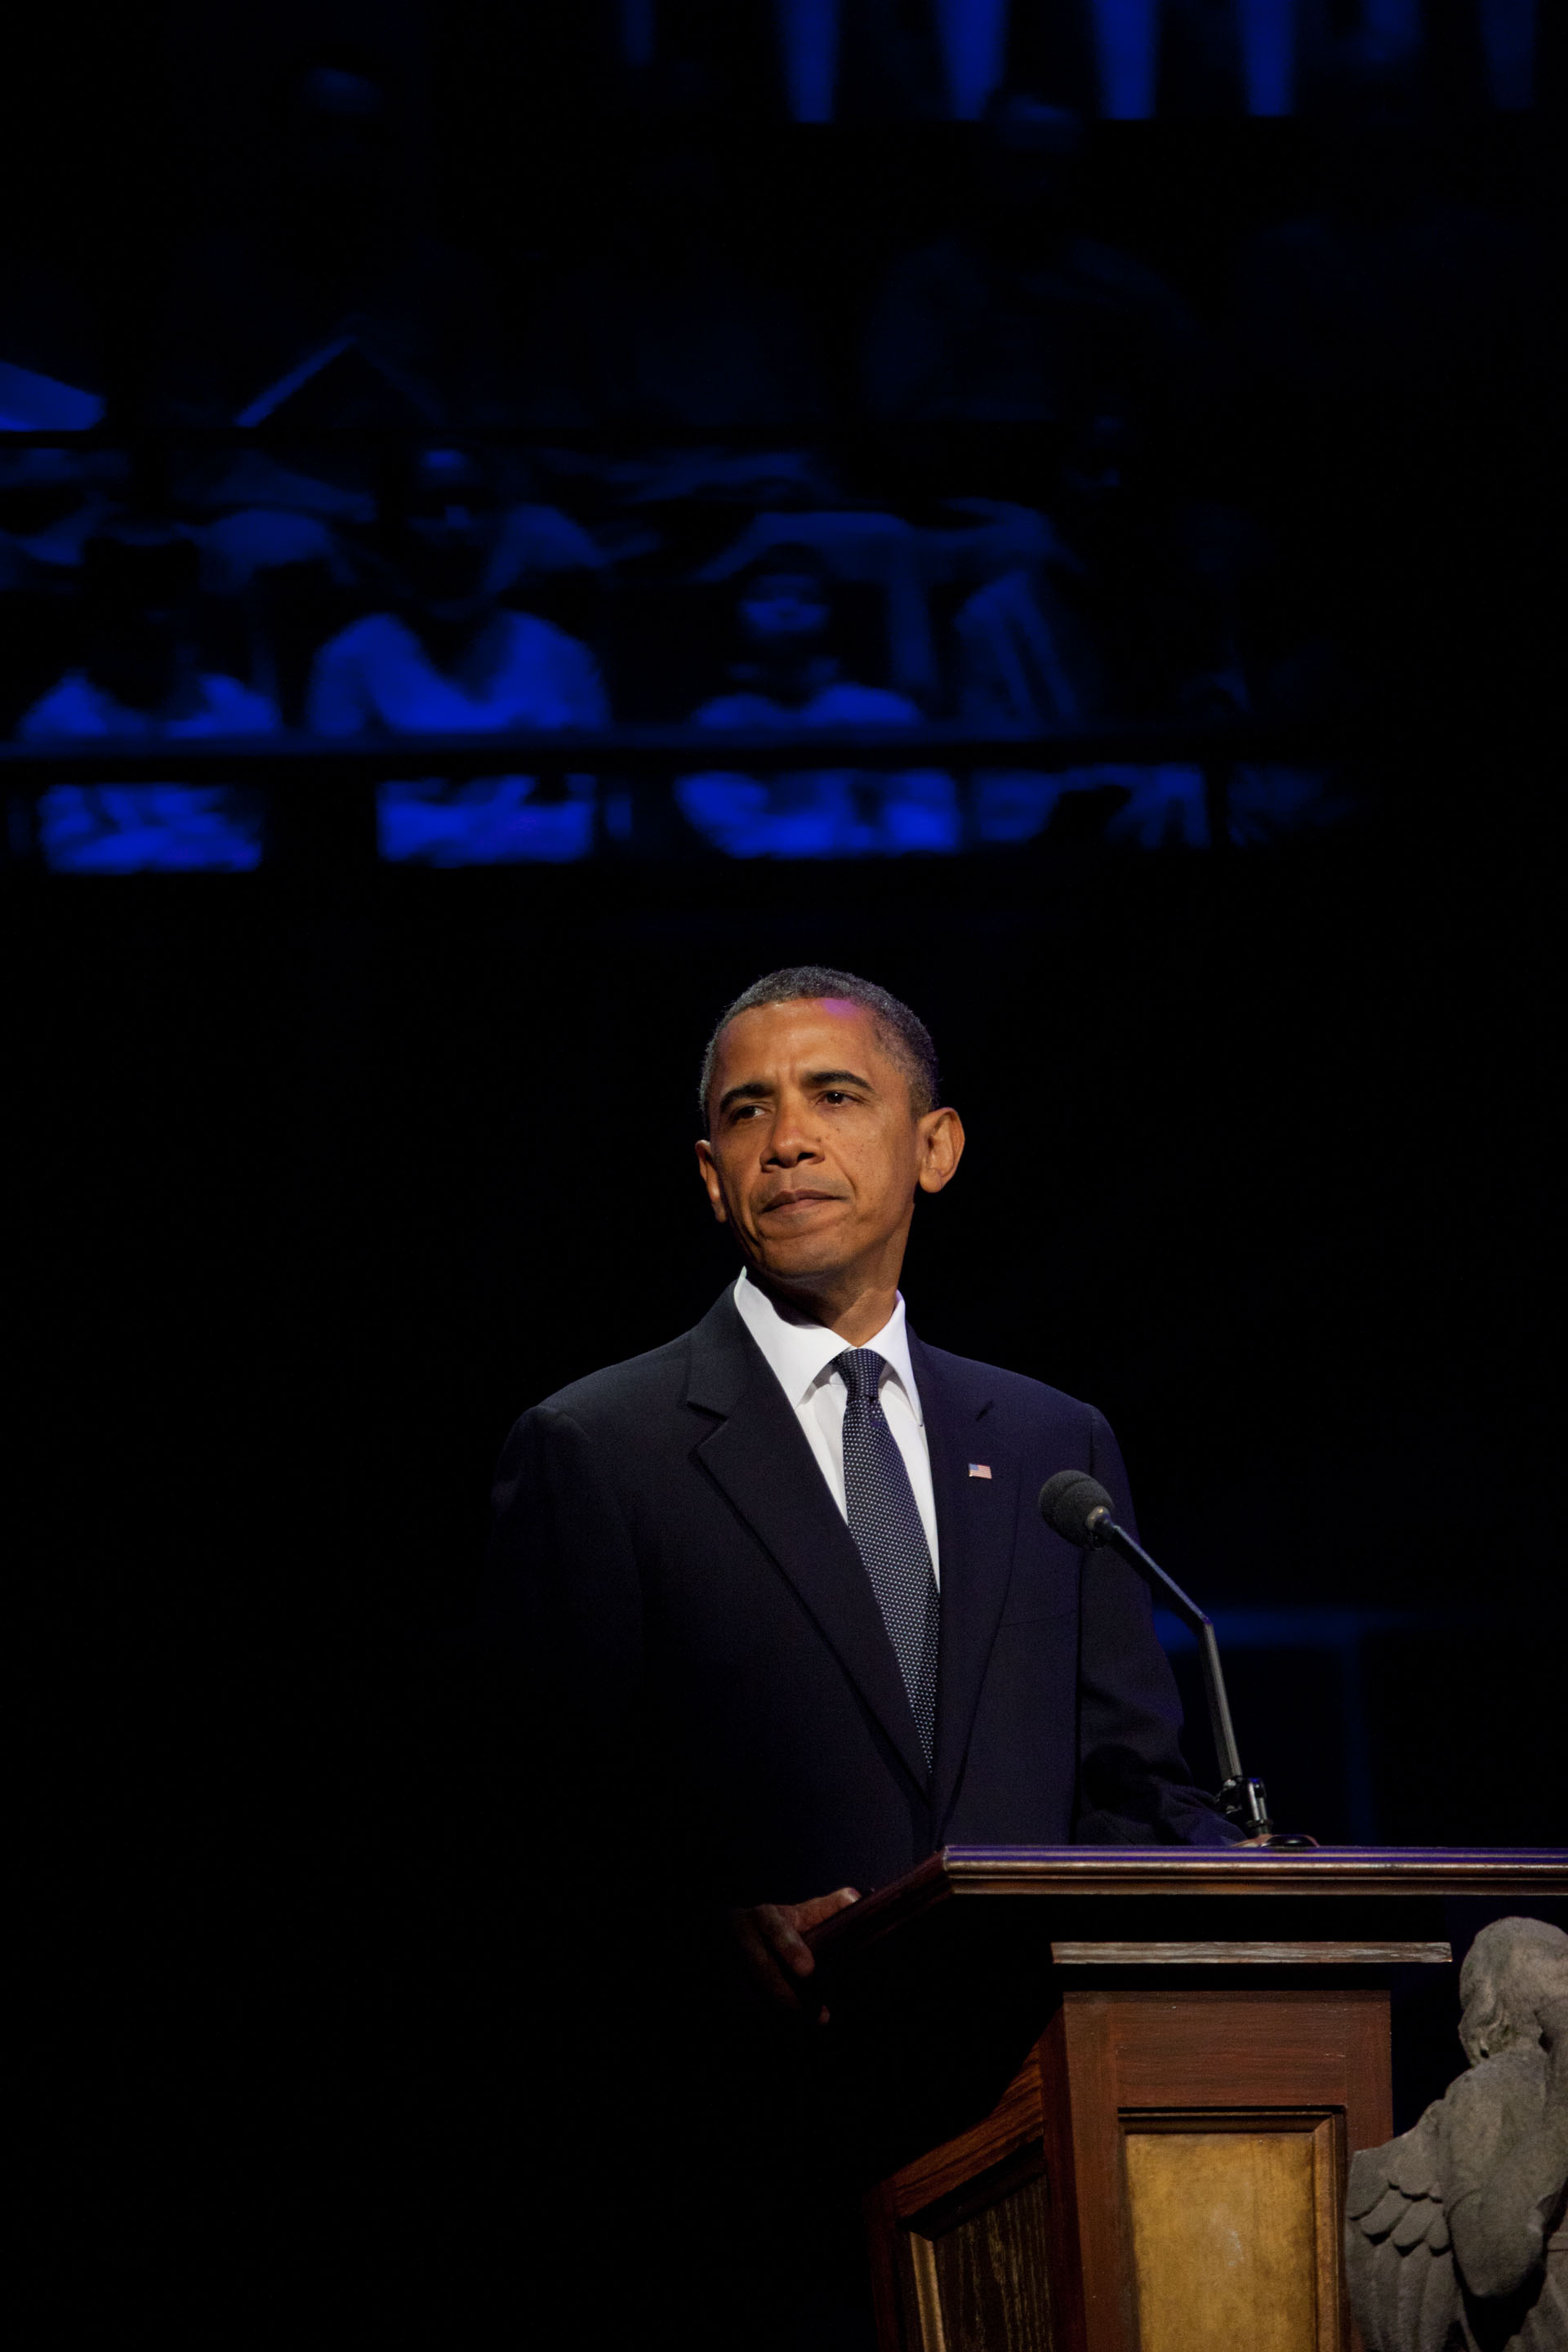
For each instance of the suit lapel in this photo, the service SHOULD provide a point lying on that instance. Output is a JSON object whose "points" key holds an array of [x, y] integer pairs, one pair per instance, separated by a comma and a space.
{"points": [[759, 1455], [977, 1523]]}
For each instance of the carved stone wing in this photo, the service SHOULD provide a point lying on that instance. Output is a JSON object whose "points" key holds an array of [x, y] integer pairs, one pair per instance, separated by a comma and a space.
{"points": [[1403, 2287]]}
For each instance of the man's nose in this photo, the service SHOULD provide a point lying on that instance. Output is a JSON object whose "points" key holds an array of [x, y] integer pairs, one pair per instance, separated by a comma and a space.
{"points": [[791, 1140]]}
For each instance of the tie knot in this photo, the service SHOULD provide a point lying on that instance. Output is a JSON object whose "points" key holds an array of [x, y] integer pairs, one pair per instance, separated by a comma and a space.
{"points": [[862, 1371]]}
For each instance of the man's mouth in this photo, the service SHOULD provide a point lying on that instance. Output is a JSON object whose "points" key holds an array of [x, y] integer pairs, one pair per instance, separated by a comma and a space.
{"points": [[783, 1203]]}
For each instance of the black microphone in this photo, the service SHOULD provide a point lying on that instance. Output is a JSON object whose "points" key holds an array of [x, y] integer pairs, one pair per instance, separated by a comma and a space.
{"points": [[1079, 1509]]}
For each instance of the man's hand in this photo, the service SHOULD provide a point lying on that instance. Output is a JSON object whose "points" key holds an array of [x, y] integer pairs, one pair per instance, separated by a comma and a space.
{"points": [[770, 1939]]}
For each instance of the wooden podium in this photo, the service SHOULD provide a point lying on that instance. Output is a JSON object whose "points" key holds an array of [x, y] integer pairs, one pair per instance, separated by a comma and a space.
{"points": [[1108, 2095]]}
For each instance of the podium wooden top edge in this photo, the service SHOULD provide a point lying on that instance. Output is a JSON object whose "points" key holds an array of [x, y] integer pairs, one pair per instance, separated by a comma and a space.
{"points": [[1251, 1870], [958, 1872]]}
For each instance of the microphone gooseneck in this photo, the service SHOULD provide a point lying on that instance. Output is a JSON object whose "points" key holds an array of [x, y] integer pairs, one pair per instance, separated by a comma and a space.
{"points": [[1079, 1509]]}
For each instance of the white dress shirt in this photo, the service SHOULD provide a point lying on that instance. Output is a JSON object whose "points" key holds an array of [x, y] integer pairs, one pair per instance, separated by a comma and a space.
{"points": [[800, 1355]]}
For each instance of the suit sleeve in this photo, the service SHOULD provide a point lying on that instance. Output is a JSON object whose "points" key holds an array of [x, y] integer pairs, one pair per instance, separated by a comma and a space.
{"points": [[591, 1876], [1135, 1788], [560, 1623]]}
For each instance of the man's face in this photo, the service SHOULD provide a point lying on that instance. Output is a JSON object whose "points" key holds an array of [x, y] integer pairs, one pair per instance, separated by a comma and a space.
{"points": [[815, 1153]]}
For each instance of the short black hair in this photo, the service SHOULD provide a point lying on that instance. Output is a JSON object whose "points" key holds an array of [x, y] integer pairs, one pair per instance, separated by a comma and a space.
{"points": [[903, 1033]]}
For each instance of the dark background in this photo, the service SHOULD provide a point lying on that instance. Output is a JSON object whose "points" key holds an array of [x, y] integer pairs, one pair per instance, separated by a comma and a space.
{"points": [[336, 1182], [327, 1180]]}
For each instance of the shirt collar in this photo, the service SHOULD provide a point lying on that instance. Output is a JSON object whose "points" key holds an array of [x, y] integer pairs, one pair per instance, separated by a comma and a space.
{"points": [[800, 1352]]}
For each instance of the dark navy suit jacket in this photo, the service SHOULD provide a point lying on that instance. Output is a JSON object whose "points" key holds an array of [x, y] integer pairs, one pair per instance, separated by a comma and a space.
{"points": [[696, 1648]]}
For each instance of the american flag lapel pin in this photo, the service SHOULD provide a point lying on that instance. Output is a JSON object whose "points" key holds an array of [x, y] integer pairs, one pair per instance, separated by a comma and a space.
{"points": [[980, 1469]]}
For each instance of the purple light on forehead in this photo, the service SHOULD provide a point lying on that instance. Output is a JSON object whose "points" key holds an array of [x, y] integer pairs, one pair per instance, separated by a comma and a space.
{"points": [[839, 1006]]}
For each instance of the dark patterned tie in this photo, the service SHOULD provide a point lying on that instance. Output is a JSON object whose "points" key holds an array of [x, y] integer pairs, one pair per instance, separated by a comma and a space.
{"points": [[885, 1521]]}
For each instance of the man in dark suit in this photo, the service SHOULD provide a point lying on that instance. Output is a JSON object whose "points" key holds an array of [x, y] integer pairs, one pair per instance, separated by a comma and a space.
{"points": [[782, 1603], [684, 1532]]}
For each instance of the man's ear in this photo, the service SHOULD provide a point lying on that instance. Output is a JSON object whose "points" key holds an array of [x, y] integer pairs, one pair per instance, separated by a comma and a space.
{"points": [[941, 1149], [709, 1172]]}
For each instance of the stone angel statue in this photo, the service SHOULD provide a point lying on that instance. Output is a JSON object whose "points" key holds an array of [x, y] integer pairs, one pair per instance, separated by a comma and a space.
{"points": [[1456, 2235]]}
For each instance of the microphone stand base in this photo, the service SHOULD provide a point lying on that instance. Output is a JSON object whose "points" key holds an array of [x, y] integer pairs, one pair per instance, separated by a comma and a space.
{"points": [[1245, 1804]]}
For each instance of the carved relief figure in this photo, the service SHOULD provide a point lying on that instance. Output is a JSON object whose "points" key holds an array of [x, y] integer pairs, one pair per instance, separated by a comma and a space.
{"points": [[1456, 2235]]}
